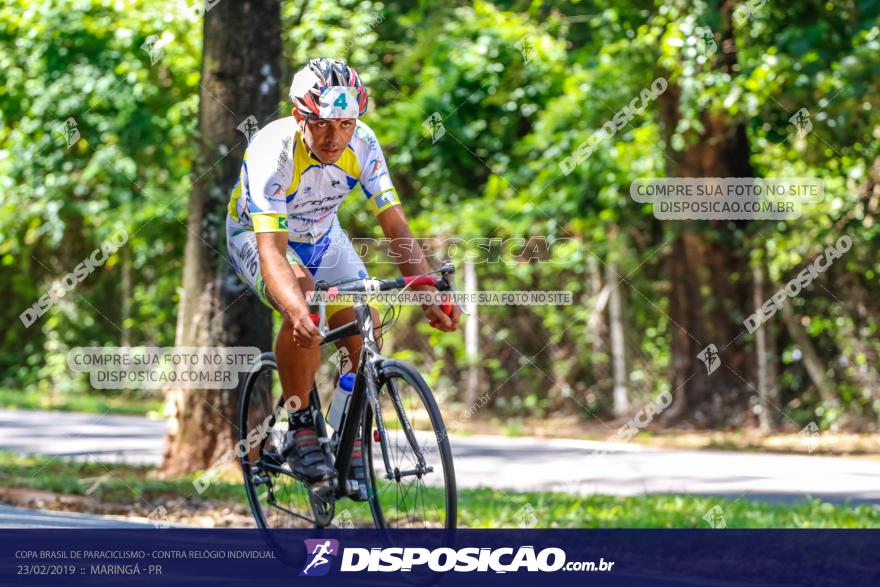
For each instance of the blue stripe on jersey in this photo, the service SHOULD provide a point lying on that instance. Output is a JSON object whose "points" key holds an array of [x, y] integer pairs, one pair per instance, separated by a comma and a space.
{"points": [[312, 253]]}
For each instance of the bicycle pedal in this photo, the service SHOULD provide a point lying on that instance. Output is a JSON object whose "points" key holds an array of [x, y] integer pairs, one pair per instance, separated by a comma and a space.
{"points": [[323, 488], [273, 458]]}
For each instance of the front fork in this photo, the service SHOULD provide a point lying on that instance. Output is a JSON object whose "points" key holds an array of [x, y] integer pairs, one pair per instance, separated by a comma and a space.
{"points": [[395, 473], [369, 369]]}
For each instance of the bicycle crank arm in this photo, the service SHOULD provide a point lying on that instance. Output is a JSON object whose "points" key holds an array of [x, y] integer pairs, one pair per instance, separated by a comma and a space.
{"points": [[274, 468]]}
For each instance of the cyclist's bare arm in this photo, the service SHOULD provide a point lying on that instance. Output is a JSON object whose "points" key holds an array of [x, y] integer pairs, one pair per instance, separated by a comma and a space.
{"points": [[407, 254], [285, 288]]}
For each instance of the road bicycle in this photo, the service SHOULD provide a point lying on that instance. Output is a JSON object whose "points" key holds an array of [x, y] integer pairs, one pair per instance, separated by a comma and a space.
{"points": [[405, 446]]}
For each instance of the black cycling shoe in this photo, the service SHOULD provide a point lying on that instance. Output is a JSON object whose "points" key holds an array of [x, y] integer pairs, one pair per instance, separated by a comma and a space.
{"points": [[307, 459], [356, 472]]}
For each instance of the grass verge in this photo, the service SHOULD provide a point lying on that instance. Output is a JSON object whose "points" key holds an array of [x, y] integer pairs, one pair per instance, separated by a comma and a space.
{"points": [[53, 483], [79, 402]]}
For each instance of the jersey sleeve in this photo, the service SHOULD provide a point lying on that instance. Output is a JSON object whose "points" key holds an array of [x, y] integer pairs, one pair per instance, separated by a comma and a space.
{"points": [[268, 172], [375, 179]]}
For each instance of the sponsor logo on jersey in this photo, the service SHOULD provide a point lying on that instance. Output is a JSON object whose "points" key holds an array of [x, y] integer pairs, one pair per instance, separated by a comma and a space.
{"points": [[277, 192], [316, 201]]}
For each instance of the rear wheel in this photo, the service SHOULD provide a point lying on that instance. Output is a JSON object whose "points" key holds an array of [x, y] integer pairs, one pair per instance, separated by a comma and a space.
{"points": [[277, 499], [415, 492]]}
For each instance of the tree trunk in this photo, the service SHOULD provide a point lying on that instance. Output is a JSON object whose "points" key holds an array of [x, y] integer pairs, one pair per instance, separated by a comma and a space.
{"points": [[812, 362], [708, 268], [620, 395], [596, 327], [765, 416], [773, 371], [472, 337], [241, 62]]}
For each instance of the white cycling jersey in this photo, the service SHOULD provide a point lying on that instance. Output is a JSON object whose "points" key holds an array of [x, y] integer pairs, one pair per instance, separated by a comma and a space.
{"points": [[282, 187]]}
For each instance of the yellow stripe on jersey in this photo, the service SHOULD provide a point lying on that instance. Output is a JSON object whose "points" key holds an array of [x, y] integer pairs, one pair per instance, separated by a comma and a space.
{"points": [[302, 160], [233, 201], [348, 163], [383, 200], [269, 222]]}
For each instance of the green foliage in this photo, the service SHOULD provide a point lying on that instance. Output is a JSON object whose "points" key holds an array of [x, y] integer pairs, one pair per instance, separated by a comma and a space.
{"points": [[128, 170], [518, 86]]}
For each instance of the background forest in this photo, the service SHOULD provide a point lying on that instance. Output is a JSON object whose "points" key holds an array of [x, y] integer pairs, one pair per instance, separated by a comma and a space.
{"points": [[517, 86]]}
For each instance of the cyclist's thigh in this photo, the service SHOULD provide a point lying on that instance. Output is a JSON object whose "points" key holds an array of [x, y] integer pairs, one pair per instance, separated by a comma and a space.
{"points": [[342, 261], [241, 244]]}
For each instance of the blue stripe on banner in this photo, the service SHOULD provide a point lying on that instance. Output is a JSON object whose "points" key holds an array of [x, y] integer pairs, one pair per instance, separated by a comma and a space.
{"points": [[507, 558]]}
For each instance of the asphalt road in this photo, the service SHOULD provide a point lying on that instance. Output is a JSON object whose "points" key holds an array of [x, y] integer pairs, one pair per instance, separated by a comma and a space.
{"points": [[573, 466], [11, 517]]}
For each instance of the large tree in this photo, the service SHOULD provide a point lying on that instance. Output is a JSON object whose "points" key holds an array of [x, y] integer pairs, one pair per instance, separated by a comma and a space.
{"points": [[241, 63], [708, 262]]}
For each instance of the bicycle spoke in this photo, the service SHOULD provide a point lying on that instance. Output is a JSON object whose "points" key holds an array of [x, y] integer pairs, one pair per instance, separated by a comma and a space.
{"points": [[420, 497], [279, 501]]}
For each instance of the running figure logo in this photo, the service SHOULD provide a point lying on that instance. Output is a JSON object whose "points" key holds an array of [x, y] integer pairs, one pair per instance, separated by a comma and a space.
{"points": [[318, 551], [710, 358]]}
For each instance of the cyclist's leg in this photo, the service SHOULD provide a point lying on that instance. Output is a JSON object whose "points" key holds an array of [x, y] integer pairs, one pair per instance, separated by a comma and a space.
{"points": [[296, 366], [340, 261]]}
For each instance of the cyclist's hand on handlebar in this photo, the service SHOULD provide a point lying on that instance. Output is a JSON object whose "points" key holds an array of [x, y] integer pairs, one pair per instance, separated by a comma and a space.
{"points": [[305, 332], [440, 320]]}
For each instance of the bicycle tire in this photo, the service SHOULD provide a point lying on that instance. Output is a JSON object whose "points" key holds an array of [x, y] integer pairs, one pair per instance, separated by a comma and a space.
{"points": [[392, 370], [254, 411]]}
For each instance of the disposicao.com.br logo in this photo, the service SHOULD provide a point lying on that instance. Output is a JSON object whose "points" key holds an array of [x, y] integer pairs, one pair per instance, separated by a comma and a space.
{"points": [[441, 560]]}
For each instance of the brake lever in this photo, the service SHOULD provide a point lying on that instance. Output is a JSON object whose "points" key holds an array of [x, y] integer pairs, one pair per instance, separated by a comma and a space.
{"points": [[322, 320], [321, 286], [448, 269]]}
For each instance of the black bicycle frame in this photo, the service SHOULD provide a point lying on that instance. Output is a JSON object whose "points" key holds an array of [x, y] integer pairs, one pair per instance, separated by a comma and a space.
{"points": [[364, 387]]}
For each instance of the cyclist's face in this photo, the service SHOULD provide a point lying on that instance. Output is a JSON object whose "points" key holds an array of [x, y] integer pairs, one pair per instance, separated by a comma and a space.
{"points": [[327, 137]]}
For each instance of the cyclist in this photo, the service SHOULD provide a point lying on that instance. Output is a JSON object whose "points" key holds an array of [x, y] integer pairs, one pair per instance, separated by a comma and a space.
{"points": [[283, 234]]}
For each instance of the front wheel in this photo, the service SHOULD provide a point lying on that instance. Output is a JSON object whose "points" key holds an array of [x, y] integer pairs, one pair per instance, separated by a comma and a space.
{"points": [[417, 487]]}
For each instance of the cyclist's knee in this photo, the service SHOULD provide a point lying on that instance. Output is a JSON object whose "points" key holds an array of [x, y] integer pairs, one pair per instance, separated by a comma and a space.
{"points": [[303, 277]]}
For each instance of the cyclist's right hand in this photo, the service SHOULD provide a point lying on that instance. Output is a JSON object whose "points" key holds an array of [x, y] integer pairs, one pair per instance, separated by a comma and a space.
{"points": [[305, 332]]}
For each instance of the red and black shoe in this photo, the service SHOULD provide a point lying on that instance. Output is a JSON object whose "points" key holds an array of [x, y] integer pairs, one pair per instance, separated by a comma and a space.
{"points": [[308, 461]]}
